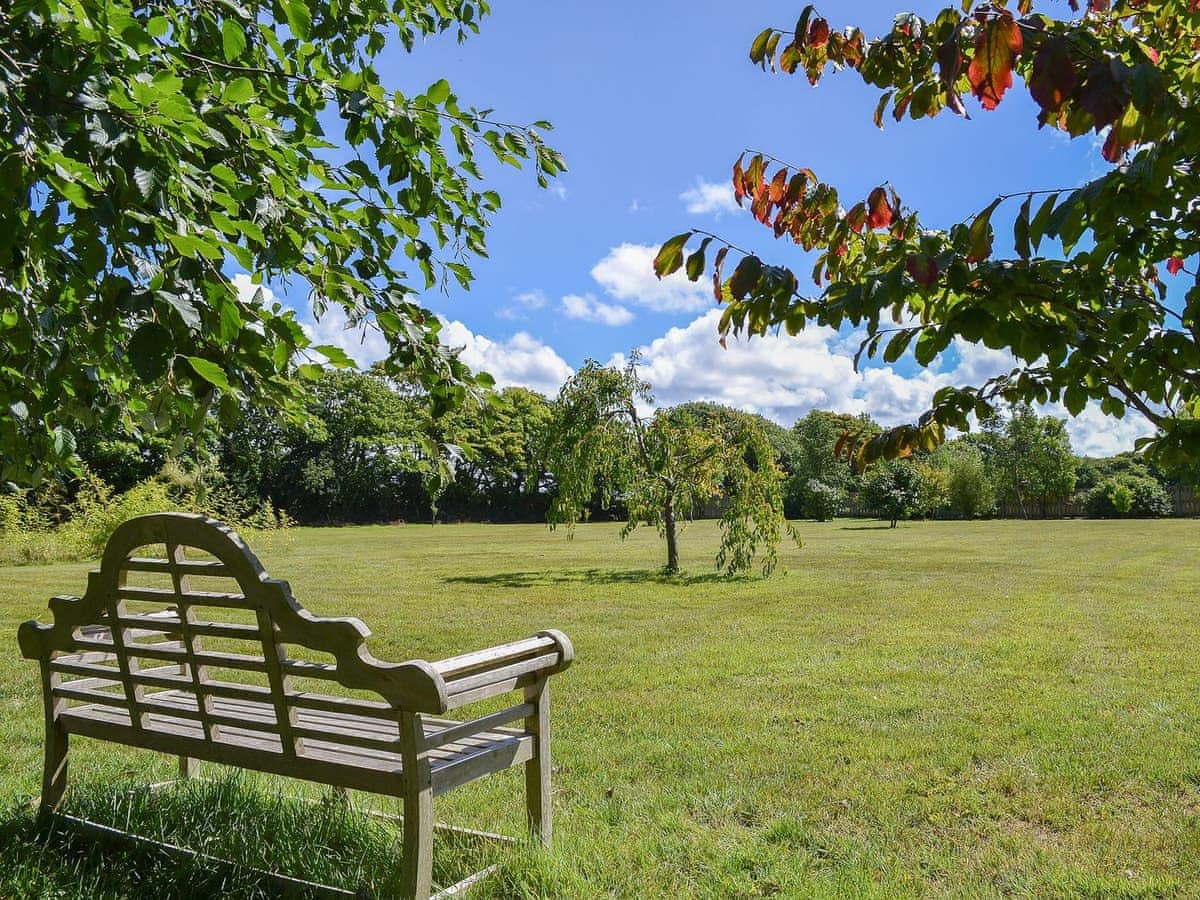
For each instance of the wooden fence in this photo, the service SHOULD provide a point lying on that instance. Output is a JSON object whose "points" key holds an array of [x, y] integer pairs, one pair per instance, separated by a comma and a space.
{"points": [[1184, 501]]}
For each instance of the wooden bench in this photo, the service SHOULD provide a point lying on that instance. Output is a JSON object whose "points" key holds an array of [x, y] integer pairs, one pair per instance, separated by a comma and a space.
{"points": [[190, 649]]}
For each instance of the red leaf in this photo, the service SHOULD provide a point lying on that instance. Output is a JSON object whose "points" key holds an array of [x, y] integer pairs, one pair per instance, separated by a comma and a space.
{"points": [[1174, 264], [880, 213], [950, 61], [1105, 92], [1053, 79], [739, 186], [1115, 145], [857, 217], [852, 48], [818, 33], [778, 184], [991, 71], [720, 261], [923, 269]]}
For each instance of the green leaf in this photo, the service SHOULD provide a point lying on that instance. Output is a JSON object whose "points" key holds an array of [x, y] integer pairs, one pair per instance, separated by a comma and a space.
{"points": [[338, 358], [1037, 228], [237, 91], [758, 48], [210, 372], [670, 255], [981, 234], [299, 17], [695, 262], [233, 39], [439, 91], [1021, 229], [149, 351]]}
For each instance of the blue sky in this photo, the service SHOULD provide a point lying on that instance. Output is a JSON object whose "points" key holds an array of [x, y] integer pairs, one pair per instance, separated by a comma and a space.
{"points": [[652, 102]]}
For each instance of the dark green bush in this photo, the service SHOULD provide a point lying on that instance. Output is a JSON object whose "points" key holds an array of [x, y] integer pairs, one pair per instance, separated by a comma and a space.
{"points": [[1127, 496]]}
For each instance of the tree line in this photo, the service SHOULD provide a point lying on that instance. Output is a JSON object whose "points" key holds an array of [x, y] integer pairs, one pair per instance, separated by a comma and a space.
{"points": [[367, 449]]}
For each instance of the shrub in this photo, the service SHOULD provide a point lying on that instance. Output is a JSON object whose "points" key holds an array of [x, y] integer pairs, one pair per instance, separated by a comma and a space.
{"points": [[30, 529], [1127, 495], [822, 501]]}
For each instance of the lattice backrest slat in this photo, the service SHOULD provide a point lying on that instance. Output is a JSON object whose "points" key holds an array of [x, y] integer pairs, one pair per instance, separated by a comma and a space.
{"points": [[194, 624]]}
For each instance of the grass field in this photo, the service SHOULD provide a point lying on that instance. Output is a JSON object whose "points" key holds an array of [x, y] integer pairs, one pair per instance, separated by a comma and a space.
{"points": [[946, 709]]}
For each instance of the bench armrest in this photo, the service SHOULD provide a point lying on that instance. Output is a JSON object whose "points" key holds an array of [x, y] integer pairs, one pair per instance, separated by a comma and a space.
{"points": [[498, 670]]}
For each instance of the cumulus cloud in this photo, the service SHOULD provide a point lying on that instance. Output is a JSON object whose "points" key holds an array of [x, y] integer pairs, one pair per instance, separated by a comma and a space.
{"points": [[1095, 434], [521, 304], [363, 343], [589, 309], [627, 274], [521, 360], [709, 197], [784, 377]]}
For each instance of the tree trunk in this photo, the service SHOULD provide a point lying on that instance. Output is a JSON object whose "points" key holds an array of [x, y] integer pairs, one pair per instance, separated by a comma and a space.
{"points": [[669, 528]]}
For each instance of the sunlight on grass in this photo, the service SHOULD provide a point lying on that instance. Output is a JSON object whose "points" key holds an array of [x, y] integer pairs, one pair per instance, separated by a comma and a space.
{"points": [[954, 709]]}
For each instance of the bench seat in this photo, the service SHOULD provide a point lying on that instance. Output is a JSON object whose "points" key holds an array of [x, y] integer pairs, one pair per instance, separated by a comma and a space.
{"points": [[340, 754]]}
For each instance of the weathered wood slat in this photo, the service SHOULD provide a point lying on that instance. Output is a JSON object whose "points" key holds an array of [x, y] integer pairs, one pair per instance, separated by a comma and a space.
{"points": [[305, 669], [196, 598], [210, 567], [501, 673], [454, 732], [491, 690], [457, 666], [470, 766], [329, 703]]}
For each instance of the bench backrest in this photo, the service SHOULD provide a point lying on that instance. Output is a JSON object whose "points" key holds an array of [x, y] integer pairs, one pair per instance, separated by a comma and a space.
{"points": [[181, 608]]}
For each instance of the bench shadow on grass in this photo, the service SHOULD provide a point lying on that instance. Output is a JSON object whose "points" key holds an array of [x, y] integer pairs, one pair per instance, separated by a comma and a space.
{"points": [[594, 576], [245, 832]]}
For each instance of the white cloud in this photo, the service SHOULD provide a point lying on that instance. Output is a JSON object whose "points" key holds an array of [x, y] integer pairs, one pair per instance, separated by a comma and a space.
{"points": [[784, 377], [1095, 434], [779, 376], [521, 360], [521, 303], [634, 208], [364, 343], [709, 197], [589, 309], [627, 273]]}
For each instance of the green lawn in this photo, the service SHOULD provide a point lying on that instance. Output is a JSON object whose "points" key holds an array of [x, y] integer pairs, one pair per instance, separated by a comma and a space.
{"points": [[946, 709]]}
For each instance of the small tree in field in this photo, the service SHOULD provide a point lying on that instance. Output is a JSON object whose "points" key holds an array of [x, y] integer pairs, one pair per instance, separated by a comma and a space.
{"points": [[893, 490], [663, 467]]}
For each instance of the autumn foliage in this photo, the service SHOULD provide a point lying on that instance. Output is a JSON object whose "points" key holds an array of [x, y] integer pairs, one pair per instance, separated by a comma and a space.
{"points": [[1080, 303]]}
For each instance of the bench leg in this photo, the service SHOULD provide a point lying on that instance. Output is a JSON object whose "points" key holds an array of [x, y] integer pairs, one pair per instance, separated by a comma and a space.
{"points": [[537, 769], [188, 767], [416, 868], [54, 773]]}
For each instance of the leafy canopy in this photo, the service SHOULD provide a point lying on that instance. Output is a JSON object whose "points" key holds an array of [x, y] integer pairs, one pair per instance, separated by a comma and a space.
{"points": [[664, 468], [1082, 303], [147, 149]]}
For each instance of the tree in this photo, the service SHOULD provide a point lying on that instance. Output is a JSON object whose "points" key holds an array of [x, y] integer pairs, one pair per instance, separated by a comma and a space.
{"points": [[149, 149], [969, 490], [817, 436], [664, 466], [893, 490], [1082, 303], [361, 454], [822, 501], [1031, 460], [502, 473]]}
